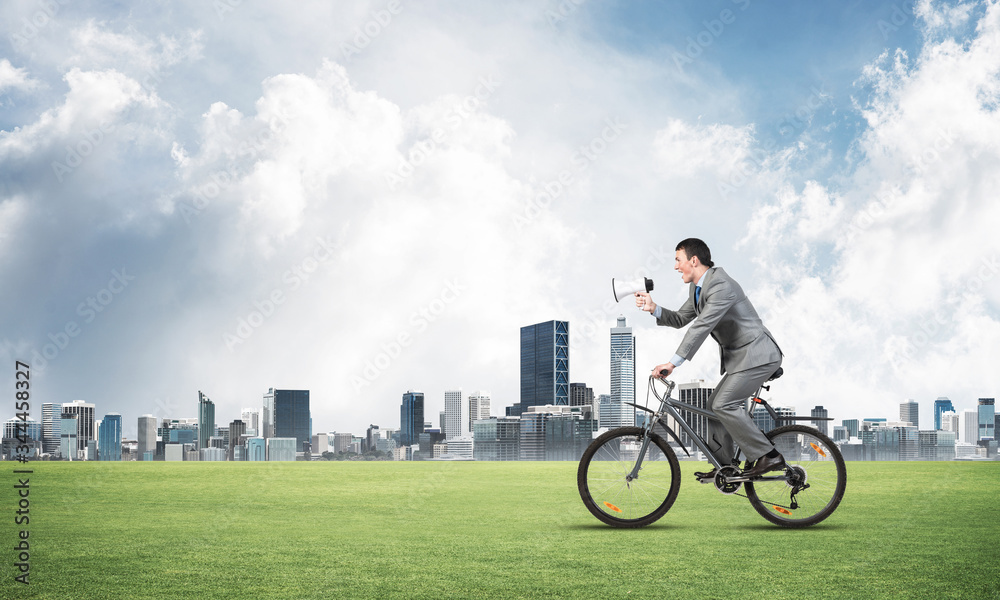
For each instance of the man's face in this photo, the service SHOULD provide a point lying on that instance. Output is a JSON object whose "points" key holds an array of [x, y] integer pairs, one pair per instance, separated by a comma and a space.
{"points": [[684, 266]]}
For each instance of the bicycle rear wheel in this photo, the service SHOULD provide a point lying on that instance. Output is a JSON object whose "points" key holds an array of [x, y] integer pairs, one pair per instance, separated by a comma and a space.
{"points": [[814, 486], [603, 478]]}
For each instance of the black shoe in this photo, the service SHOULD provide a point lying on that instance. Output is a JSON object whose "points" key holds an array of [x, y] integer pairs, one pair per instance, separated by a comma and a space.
{"points": [[764, 465], [706, 474]]}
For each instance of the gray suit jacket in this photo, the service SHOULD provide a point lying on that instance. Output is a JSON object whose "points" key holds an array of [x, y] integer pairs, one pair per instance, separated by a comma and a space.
{"points": [[725, 313]]}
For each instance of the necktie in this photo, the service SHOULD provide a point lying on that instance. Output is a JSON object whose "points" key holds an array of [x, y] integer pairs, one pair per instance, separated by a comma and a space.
{"points": [[697, 293]]}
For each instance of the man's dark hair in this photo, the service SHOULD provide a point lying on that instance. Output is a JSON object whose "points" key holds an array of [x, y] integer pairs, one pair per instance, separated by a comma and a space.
{"points": [[694, 247]]}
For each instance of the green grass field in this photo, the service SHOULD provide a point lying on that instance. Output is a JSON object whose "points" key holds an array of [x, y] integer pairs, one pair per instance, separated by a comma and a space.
{"points": [[485, 530]]}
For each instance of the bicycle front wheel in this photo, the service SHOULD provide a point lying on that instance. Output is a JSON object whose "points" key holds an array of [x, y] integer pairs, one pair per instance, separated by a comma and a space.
{"points": [[608, 491], [813, 487]]}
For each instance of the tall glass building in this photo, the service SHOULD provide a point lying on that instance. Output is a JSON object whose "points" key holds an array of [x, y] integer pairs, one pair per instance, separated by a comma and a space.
{"points": [[987, 418], [85, 421], [456, 415], [623, 368], [206, 420], [820, 413], [544, 364], [109, 437], [909, 412], [411, 418], [147, 435], [286, 415], [941, 405]]}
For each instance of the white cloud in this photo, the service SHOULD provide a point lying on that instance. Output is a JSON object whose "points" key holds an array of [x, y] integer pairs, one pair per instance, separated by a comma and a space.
{"points": [[684, 149], [13, 78]]}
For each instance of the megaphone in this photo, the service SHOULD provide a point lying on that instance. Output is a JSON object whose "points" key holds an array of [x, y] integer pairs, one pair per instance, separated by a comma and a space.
{"points": [[624, 289]]}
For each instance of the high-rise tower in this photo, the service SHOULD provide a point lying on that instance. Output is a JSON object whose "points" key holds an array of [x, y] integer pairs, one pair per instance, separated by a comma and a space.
{"points": [[544, 364]]}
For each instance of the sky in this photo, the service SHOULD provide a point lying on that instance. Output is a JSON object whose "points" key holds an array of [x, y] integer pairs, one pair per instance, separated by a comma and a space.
{"points": [[365, 198]]}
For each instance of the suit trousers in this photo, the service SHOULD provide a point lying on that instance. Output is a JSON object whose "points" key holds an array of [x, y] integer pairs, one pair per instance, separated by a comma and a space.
{"points": [[728, 402]]}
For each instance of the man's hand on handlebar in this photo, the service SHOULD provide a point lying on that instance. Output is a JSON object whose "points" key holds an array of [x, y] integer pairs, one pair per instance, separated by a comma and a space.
{"points": [[663, 371], [643, 301]]}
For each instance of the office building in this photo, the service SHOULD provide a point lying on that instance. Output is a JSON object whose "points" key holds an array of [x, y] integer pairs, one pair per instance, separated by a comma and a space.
{"points": [[695, 393], [30, 430], [852, 426], [581, 395], [282, 449], [456, 415], [320, 443], [147, 436], [342, 442], [544, 364], [766, 422], [173, 452], [256, 449], [237, 432], [109, 434], [69, 436], [85, 422], [968, 427], [51, 414], [987, 418], [411, 418], [206, 420], [909, 412], [937, 445], [623, 366], [820, 414], [613, 414], [251, 419], [497, 438], [941, 405], [479, 407], [286, 415], [948, 421]]}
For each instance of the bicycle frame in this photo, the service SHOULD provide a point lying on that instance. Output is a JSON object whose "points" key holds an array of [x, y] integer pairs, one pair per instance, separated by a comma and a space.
{"points": [[668, 407]]}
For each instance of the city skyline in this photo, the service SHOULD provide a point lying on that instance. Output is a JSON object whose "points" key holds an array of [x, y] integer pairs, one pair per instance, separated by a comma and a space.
{"points": [[343, 197]]}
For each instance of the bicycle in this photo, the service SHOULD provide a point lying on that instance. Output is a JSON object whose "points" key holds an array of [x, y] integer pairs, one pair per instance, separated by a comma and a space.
{"points": [[630, 476]]}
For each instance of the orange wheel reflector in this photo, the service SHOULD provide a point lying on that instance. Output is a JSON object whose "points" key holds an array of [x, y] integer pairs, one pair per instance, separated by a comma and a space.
{"points": [[783, 511], [818, 449], [612, 507]]}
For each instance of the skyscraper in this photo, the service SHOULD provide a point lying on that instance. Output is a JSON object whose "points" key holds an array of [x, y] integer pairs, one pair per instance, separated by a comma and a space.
{"points": [[941, 405], [85, 423], [69, 436], [411, 418], [251, 418], [544, 364], [695, 393], [820, 413], [623, 367], [206, 420], [50, 427], [580, 395], [909, 412], [456, 415], [109, 437], [147, 436], [237, 430], [479, 407], [968, 426], [286, 415], [987, 418]]}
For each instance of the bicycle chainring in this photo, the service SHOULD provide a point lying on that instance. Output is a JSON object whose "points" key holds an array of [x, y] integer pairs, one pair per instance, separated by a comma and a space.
{"points": [[722, 485]]}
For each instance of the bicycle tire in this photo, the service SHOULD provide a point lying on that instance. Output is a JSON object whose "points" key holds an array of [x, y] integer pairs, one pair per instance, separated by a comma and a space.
{"points": [[609, 496], [815, 454]]}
